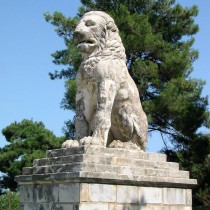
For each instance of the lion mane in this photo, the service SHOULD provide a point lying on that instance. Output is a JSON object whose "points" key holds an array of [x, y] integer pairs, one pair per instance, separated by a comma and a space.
{"points": [[111, 46], [108, 111]]}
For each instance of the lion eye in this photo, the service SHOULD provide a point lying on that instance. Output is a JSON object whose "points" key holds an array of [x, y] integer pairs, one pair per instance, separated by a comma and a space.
{"points": [[90, 23]]}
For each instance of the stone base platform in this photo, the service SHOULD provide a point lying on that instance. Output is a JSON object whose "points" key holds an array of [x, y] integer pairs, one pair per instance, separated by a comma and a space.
{"points": [[97, 178]]}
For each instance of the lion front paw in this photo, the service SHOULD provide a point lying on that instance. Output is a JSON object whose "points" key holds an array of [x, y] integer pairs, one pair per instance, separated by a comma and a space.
{"points": [[89, 140], [70, 143]]}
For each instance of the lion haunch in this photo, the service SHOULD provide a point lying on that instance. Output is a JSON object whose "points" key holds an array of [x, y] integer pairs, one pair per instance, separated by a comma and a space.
{"points": [[109, 111]]}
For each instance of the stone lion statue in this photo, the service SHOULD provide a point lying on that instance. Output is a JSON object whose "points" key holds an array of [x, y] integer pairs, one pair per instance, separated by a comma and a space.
{"points": [[109, 111]]}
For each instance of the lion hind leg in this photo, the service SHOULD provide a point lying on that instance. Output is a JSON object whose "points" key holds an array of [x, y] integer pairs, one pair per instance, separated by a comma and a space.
{"points": [[133, 125]]}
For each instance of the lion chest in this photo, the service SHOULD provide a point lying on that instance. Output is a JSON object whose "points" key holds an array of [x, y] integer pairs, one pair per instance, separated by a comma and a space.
{"points": [[87, 86], [86, 79]]}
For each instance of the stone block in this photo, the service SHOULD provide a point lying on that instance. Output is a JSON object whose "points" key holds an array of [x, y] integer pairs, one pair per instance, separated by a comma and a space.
{"points": [[35, 206], [43, 193], [45, 206], [128, 207], [38, 193], [121, 161], [58, 160], [26, 193], [179, 174], [102, 193], [189, 197], [65, 151], [69, 192], [27, 170], [150, 195], [161, 208], [91, 178], [84, 192], [118, 207], [95, 206], [127, 194], [90, 196], [74, 167], [174, 196], [28, 206], [63, 207], [110, 152], [180, 208]]}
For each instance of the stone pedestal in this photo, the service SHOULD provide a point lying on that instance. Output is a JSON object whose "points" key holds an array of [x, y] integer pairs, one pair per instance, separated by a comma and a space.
{"points": [[96, 178]]}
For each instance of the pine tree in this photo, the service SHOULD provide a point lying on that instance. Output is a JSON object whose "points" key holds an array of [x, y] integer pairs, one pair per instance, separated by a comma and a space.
{"points": [[27, 140]]}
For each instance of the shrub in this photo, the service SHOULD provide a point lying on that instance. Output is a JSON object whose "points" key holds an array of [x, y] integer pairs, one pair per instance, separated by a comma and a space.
{"points": [[9, 201]]}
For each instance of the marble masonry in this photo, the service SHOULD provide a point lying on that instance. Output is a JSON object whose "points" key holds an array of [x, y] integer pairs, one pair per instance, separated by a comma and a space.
{"points": [[106, 167], [99, 178]]}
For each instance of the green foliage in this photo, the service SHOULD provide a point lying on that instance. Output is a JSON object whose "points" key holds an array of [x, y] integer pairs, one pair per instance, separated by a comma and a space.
{"points": [[9, 201], [68, 101], [27, 140], [199, 166], [69, 56], [69, 130], [195, 157]]}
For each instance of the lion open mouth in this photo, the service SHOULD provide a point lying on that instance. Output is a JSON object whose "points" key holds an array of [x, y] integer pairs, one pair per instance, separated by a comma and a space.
{"points": [[90, 42]]}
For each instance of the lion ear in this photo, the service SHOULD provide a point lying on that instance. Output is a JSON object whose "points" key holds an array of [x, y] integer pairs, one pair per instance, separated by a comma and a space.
{"points": [[111, 26]]}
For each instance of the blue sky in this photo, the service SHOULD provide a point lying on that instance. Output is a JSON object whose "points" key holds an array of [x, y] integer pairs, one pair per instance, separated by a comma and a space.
{"points": [[26, 42]]}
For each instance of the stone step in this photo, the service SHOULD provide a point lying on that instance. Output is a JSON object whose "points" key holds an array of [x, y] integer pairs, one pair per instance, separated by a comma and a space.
{"points": [[108, 178], [106, 165], [96, 150], [120, 170], [106, 160], [59, 160], [137, 178]]}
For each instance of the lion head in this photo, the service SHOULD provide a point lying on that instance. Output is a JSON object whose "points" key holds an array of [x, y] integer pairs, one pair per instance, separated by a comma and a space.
{"points": [[97, 37]]}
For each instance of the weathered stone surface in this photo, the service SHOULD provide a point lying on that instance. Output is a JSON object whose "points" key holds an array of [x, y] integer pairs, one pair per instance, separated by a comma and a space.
{"points": [[58, 160], [27, 170], [26, 192], [108, 107], [45, 193], [39, 193], [35, 206], [103, 196], [106, 159], [150, 195], [69, 192], [120, 170], [109, 113], [110, 152], [84, 192], [127, 194], [107, 165], [89, 206], [66, 152], [189, 197], [108, 178], [102, 193], [174, 196], [129, 207]]}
